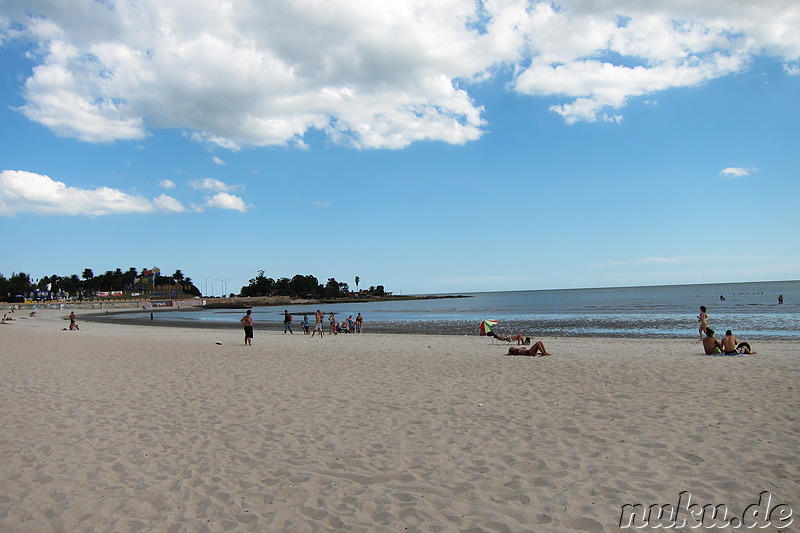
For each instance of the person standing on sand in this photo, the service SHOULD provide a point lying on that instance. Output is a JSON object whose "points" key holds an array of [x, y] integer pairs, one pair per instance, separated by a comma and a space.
{"points": [[287, 322], [359, 322], [703, 318], [247, 322], [319, 317], [304, 324]]}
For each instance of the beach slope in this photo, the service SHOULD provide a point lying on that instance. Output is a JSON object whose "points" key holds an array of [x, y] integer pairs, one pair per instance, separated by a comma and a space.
{"points": [[138, 428]]}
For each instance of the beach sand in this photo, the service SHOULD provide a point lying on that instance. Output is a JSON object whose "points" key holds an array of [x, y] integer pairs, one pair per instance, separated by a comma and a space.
{"points": [[136, 428]]}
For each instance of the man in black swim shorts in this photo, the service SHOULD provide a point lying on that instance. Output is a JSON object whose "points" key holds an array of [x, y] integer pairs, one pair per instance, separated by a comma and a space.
{"points": [[247, 322]]}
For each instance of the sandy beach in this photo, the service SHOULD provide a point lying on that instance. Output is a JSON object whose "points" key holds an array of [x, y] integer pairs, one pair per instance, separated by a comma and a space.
{"points": [[137, 428]]}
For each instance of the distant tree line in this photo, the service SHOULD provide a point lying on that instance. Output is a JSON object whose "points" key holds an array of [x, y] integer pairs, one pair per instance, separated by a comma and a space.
{"points": [[301, 287], [20, 285]]}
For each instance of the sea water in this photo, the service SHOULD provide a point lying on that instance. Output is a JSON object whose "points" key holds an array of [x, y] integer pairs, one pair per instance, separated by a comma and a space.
{"points": [[751, 310]]}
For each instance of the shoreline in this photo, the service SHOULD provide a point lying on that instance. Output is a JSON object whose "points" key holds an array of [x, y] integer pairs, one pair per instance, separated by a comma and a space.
{"points": [[418, 327]]}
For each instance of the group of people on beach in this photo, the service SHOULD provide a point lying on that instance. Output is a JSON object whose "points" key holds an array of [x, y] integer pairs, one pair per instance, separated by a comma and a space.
{"points": [[729, 345], [350, 325]]}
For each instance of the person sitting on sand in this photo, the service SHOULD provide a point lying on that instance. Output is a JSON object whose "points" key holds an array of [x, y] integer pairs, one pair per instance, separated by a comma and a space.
{"points": [[537, 347], [711, 345], [731, 346]]}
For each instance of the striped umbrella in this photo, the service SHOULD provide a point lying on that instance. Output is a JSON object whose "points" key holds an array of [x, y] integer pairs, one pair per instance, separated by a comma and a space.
{"points": [[486, 326]]}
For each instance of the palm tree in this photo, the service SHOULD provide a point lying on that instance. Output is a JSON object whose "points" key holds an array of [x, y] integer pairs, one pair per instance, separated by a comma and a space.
{"points": [[87, 283], [357, 280]]}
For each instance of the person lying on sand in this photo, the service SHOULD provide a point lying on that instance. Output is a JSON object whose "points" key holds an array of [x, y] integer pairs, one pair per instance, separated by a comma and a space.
{"points": [[537, 347], [731, 346], [508, 338]]}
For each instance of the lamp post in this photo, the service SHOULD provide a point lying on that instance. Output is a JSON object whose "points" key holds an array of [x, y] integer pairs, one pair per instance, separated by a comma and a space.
{"points": [[223, 283]]}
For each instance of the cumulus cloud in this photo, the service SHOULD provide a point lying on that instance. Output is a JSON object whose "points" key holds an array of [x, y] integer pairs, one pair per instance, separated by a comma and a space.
{"points": [[217, 161], [224, 200], [369, 73], [210, 184], [27, 192], [737, 172], [168, 204], [167, 184]]}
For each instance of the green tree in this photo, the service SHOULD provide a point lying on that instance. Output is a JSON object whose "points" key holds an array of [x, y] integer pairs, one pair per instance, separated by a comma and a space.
{"points": [[88, 280], [189, 288], [357, 280], [302, 286], [335, 289], [72, 286], [259, 286], [283, 286], [5, 289], [129, 279], [20, 284]]}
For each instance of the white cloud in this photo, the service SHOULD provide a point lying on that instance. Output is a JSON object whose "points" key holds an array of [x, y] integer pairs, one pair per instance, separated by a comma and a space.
{"points": [[167, 184], [210, 184], [320, 203], [737, 172], [217, 161], [27, 192], [168, 204], [224, 200], [369, 73]]}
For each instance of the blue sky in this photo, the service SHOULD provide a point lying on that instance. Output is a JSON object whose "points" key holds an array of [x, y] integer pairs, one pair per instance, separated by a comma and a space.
{"points": [[428, 147]]}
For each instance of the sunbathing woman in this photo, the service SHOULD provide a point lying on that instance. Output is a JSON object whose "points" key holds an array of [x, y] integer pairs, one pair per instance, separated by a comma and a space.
{"points": [[508, 338], [537, 347]]}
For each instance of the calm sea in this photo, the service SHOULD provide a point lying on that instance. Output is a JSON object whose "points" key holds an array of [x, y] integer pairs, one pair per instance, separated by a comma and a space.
{"points": [[751, 310]]}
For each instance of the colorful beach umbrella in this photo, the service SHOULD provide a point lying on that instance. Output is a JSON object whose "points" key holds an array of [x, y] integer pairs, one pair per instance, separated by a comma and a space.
{"points": [[486, 326]]}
